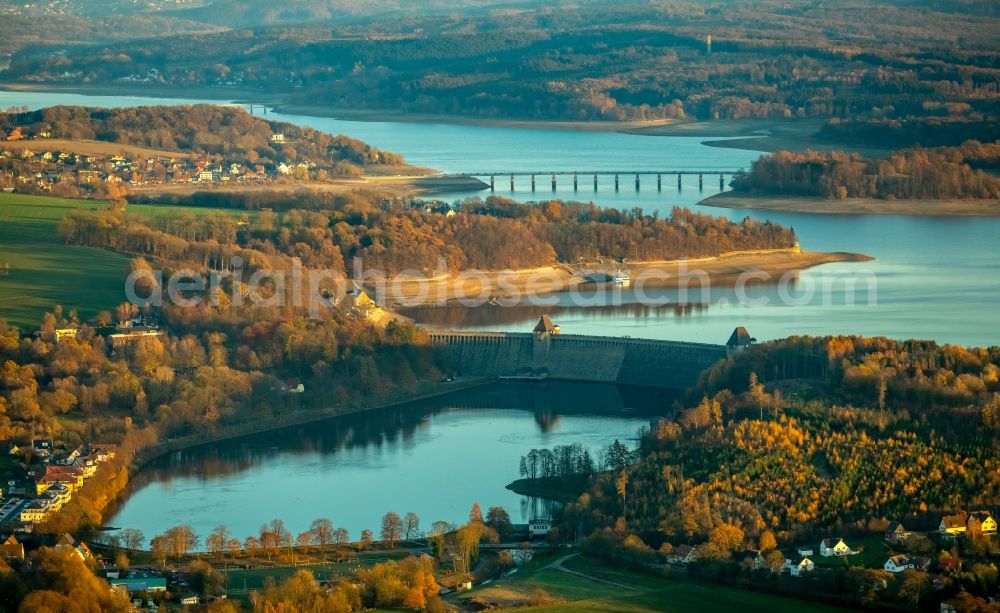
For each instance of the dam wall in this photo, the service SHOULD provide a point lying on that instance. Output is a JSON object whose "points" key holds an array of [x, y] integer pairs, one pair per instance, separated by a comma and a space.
{"points": [[667, 364]]}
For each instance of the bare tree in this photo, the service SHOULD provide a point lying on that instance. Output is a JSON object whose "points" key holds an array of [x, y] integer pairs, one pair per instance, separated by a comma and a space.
{"points": [[323, 530], [411, 525], [392, 529]]}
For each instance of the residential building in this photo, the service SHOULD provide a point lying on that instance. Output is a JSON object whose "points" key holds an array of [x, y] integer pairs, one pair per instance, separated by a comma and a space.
{"points": [[752, 558], [796, 565], [896, 533], [832, 547], [35, 512], [954, 524], [981, 521], [68, 543], [683, 554], [11, 549], [899, 563]]}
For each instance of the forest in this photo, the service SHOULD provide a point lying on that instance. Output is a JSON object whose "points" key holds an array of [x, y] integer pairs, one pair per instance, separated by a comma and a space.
{"points": [[215, 132], [873, 62], [491, 234], [938, 173], [793, 440]]}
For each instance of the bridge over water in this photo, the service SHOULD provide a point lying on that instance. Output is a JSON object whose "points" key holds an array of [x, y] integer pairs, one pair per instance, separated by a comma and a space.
{"points": [[577, 176], [543, 354]]}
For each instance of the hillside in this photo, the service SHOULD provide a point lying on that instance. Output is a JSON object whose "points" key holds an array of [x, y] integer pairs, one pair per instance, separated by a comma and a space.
{"points": [[868, 62]]}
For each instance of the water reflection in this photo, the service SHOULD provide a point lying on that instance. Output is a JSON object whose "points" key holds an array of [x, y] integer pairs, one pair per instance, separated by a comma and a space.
{"points": [[406, 458]]}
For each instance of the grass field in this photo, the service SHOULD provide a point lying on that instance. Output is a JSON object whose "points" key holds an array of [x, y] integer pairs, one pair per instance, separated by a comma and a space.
{"points": [[45, 272], [648, 594]]}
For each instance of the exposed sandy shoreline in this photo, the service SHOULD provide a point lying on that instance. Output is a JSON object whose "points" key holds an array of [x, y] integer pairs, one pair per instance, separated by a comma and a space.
{"points": [[479, 287], [857, 206], [392, 186]]}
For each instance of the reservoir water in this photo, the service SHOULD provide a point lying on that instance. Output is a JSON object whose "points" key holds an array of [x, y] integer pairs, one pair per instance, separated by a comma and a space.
{"points": [[934, 277], [434, 457]]}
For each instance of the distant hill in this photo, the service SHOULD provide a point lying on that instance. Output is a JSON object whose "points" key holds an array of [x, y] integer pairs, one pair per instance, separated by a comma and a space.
{"points": [[205, 130]]}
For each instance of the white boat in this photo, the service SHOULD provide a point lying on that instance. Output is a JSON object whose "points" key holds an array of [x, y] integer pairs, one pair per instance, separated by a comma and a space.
{"points": [[622, 279]]}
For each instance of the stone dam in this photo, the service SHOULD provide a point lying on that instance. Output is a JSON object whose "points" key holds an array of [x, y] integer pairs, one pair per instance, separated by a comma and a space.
{"points": [[545, 355]]}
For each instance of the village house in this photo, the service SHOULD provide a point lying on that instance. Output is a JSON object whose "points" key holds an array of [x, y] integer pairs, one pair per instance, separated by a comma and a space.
{"points": [[962, 522], [796, 565], [833, 547], [42, 448], [683, 554], [358, 303], [68, 543], [981, 521], [750, 558], [899, 563], [896, 533], [11, 548], [953, 524]]}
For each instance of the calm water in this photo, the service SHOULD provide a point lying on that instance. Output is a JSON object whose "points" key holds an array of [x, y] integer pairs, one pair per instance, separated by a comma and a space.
{"points": [[936, 278], [435, 457]]}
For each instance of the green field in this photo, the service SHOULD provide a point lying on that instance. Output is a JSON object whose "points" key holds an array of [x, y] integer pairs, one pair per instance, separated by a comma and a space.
{"points": [[45, 272], [648, 594]]}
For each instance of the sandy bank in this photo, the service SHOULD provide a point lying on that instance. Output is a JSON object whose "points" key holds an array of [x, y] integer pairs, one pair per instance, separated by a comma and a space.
{"points": [[389, 185], [512, 287], [857, 206]]}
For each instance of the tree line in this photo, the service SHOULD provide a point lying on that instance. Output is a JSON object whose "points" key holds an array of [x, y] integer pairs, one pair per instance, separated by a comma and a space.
{"points": [[491, 234], [946, 172]]}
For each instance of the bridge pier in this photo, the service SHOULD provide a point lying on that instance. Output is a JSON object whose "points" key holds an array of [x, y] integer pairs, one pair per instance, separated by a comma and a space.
{"points": [[722, 182], [512, 183], [575, 181], [637, 183], [532, 182], [493, 187], [553, 181], [678, 181], [701, 181], [659, 182], [595, 182], [616, 182]]}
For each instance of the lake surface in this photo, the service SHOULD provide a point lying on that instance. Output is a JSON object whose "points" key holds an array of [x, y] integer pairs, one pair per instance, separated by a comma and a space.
{"points": [[434, 457], [936, 277]]}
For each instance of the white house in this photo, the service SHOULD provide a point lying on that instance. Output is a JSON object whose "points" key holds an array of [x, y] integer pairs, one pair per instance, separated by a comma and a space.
{"points": [[798, 565], [897, 564], [834, 547], [683, 554], [804, 551]]}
